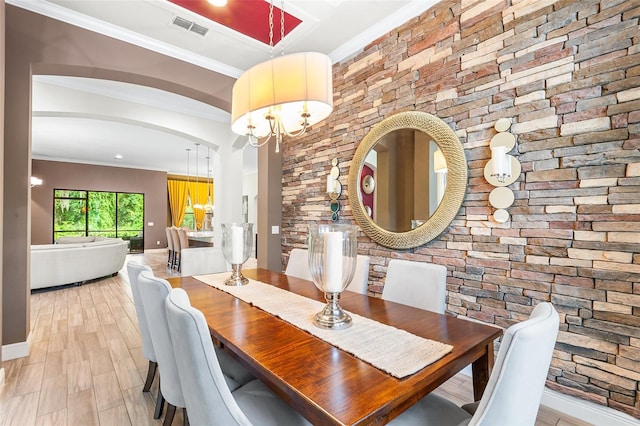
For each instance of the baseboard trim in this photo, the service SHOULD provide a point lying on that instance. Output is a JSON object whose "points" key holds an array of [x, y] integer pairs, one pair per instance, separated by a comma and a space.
{"points": [[15, 350], [586, 411]]}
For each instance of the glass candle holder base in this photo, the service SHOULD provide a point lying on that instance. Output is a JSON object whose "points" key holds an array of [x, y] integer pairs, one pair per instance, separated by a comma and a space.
{"points": [[332, 317], [236, 277]]}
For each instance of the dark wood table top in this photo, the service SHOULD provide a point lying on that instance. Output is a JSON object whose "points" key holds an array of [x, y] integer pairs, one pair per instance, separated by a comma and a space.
{"points": [[322, 382]]}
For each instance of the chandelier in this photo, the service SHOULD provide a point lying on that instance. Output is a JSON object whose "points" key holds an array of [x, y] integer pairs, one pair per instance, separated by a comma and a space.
{"points": [[209, 205], [282, 96], [188, 176], [197, 204]]}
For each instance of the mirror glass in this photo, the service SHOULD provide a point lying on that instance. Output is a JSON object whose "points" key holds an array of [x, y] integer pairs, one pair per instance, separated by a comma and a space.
{"points": [[409, 175], [402, 180]]}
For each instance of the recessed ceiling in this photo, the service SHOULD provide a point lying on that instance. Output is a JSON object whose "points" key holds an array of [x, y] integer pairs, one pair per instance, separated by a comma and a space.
{"points": [[248, 17]]}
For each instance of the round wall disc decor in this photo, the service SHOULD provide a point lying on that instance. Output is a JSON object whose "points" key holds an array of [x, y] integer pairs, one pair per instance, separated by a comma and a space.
{"points": [[501, 197], [501, 216], [502, 125]]}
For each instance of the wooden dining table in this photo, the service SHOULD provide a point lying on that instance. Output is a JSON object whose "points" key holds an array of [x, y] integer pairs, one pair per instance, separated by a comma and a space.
{"points": [[328, 385]]}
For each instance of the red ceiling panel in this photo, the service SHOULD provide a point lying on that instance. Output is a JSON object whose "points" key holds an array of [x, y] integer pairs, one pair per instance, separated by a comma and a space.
{"points": [[249, 17]]}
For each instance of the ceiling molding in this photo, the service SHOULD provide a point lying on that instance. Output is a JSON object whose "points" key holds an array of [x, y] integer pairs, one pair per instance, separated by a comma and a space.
{"points": [[124, 120], [398, 18], [65, 15], [97, 163], [149, 96]]}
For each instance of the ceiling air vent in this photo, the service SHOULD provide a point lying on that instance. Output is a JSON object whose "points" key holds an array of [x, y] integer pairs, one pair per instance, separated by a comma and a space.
{"points": [[190, 26], [198, 29]]}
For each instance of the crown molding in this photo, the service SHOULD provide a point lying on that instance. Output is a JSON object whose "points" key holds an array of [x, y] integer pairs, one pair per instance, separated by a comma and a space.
{"points": [[399, 17]]}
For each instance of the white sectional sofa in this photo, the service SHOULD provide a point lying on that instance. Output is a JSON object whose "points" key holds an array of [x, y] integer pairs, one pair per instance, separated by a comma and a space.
{"points": [[76, 259]]}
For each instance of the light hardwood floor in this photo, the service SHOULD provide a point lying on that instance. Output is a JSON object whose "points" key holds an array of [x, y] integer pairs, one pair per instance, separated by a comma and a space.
{"points": [[86, 366]]}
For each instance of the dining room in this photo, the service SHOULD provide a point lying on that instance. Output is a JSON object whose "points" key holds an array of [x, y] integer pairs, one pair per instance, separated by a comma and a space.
{"points": [[533, 107]]}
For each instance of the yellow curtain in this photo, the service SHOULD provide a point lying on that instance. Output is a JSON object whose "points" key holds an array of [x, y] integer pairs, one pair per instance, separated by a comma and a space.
{"points": [[177, 200], [198, 194]]}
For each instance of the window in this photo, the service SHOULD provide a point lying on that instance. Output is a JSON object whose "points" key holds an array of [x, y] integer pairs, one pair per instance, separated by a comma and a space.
{"points": [[189, 219], [99, 213]]}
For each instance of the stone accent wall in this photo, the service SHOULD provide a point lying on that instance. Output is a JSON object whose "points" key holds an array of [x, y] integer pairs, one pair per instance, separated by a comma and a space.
{"points": [[567, 73]]}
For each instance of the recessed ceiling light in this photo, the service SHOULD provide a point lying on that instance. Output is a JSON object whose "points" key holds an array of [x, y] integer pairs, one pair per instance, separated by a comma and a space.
{"points": [[118, 157], [218, 3]]}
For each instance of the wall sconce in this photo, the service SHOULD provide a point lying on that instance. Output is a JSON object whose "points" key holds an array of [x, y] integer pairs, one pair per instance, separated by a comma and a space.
{"points": [[334, 189], [35, 181], [502, 170]]}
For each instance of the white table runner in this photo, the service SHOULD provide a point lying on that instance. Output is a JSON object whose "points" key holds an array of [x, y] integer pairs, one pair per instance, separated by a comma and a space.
{"points": [[387, 348]]}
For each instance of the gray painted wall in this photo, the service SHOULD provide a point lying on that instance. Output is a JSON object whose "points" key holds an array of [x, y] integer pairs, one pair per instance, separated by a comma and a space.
{"points": [[59, 175]]}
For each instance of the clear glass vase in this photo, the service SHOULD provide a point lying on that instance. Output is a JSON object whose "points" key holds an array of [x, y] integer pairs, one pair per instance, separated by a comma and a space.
{"points": [[237, 243], [333, 250]]}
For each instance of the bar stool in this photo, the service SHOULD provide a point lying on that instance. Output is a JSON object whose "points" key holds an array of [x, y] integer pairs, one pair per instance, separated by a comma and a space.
{"points": [[169, 247], [176, 248], [184, 243]]}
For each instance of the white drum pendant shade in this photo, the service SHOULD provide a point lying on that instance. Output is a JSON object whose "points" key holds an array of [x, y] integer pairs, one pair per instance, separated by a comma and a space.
{"points": [[285, 87]]}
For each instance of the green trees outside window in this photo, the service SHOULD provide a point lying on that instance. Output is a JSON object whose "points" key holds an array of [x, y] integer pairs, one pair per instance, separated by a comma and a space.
{"points": [[189, 220], [98, 213]]}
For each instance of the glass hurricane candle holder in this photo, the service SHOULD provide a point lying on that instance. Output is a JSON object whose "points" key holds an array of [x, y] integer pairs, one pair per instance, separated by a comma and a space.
{"points": [[237, 242], [332, 262]]}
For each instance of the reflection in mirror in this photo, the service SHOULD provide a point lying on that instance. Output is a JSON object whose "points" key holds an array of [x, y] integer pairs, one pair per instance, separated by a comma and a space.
{"points": [[409, 172]]}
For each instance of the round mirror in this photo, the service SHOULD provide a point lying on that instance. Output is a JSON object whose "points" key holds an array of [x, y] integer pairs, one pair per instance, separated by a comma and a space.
{"points": [[420, 174]]}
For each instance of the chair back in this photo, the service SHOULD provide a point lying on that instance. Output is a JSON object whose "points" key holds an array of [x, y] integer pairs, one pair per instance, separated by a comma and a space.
{"points": [[169, 238], [298, 264], [202, 260], [515, 387], [360, 281], [176, 239], [154, 292], [418, 284], [207, 396], [133, 271], [184, 239]]}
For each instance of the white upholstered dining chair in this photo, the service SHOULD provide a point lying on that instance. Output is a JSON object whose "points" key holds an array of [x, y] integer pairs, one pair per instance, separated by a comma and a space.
{"points": [[153, 293], [133, 271], [514, 390], [202, 260], [298, 264], [360, 281], [209, 400], [418, 284]]}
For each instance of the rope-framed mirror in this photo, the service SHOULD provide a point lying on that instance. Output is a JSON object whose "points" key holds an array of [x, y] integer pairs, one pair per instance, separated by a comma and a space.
{"points": [[407, 140]]}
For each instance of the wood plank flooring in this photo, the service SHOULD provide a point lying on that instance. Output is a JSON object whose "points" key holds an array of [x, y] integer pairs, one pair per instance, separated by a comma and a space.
{"points": [[86, 366]]}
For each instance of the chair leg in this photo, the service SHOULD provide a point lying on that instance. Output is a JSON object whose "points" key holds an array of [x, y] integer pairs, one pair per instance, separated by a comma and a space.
{"points": [[151, 373], [159, 403], [171, 412], [170, 259], [185, 421]]}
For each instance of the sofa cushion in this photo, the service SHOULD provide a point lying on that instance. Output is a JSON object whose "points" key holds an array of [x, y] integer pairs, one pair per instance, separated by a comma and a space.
{"points": [[104, 241], [39, 247], [75, 240]]}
